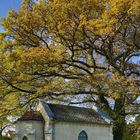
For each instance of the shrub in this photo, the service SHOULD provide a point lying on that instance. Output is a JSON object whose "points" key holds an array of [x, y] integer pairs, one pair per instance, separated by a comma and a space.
{"points": [[5, 138]]}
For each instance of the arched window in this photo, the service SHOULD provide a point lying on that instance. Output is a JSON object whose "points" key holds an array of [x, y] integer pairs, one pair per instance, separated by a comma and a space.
{"points": [[82, 136], [25, 138]]}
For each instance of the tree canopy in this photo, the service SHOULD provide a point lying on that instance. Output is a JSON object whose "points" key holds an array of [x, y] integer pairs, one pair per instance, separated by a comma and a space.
{"points": [[74, 51]]}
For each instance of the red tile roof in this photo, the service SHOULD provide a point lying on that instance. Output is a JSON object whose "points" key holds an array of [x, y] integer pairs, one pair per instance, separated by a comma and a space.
{"points": [[31, 115]]}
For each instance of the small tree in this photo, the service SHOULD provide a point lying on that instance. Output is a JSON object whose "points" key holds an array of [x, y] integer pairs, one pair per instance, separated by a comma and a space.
{"points": [[4, 123]]}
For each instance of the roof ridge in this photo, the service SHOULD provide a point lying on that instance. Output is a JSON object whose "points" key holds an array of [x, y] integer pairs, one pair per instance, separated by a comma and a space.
{"points": [[81, 107]]}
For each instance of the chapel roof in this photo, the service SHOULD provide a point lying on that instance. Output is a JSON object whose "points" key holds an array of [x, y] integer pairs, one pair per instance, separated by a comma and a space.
{"points": [[31, 115], [73, 114]]}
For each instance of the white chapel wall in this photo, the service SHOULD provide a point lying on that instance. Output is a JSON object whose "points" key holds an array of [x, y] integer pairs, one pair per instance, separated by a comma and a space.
{"points": [[70, 131], [32, 129]]}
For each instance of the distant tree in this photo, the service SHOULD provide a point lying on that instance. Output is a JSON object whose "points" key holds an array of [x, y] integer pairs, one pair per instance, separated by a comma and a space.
{"points": [[74, 51]]}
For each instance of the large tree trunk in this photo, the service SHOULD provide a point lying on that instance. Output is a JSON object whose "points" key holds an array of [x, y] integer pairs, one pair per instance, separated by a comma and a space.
{"points": [[119, 119], [119, 130], [118, 115]]}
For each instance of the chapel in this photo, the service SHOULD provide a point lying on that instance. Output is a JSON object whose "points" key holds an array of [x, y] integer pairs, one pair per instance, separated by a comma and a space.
{"points": [[63, 122]]}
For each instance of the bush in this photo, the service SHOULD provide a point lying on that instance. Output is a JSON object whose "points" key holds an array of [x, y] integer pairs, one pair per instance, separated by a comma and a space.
{"points": [[5, 138]]}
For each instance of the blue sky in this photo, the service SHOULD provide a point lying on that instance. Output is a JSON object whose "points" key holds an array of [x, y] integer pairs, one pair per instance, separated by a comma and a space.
{"points": [[6, 5]]}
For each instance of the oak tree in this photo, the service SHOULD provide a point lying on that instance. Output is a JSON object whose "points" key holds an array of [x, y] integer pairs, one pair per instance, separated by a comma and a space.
{"points": [[74, 51]]}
